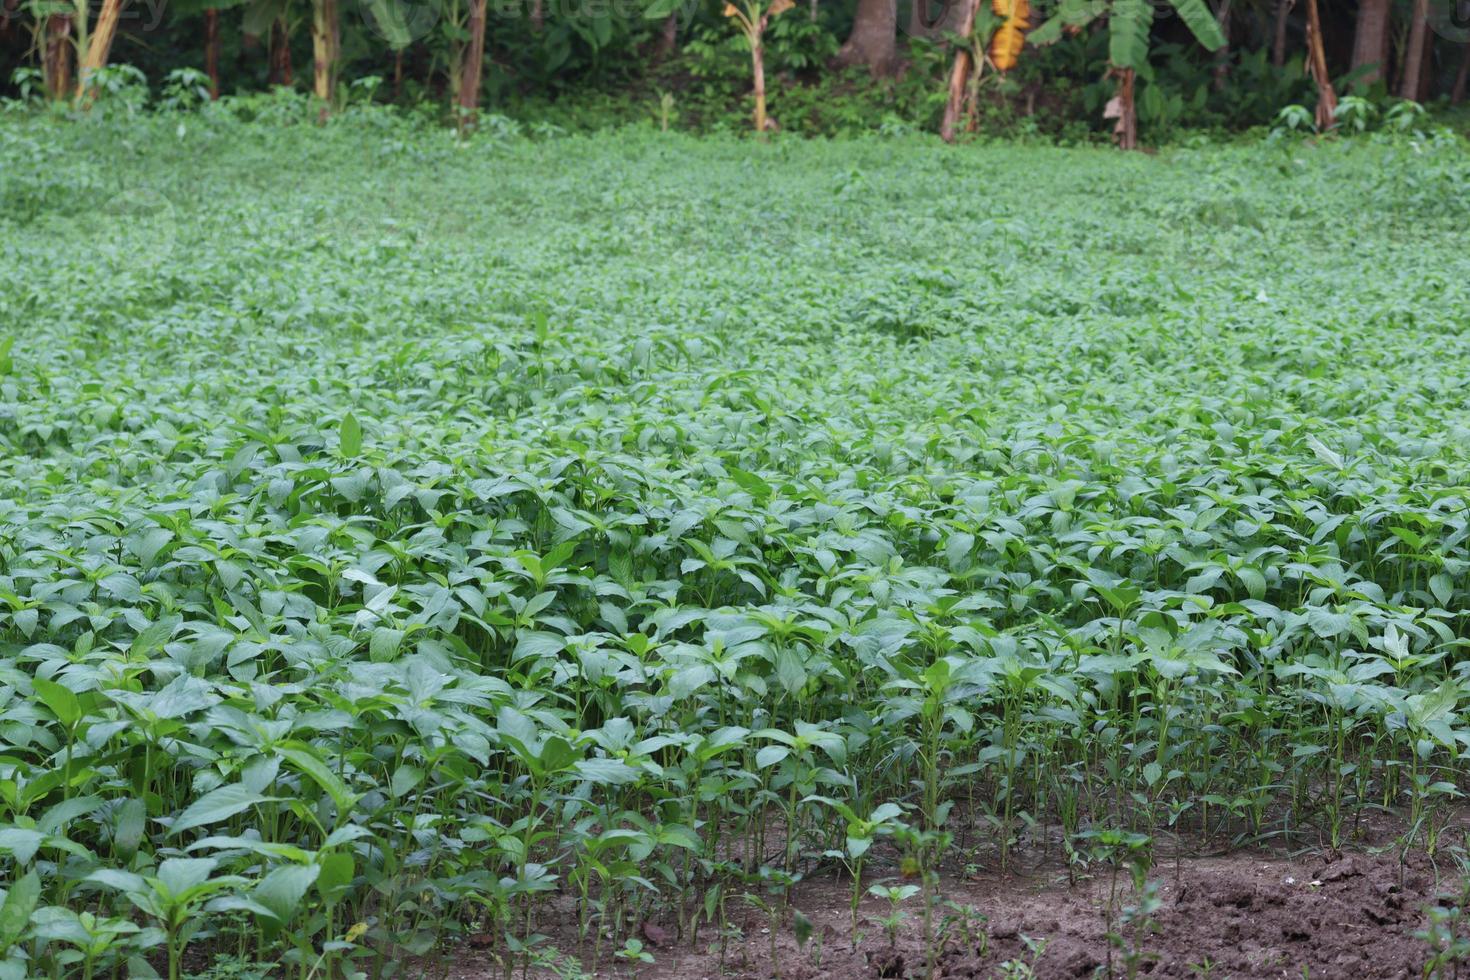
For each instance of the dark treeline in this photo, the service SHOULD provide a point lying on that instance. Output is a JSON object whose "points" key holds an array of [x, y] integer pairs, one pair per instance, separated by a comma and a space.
{"points": [[824, 65]]}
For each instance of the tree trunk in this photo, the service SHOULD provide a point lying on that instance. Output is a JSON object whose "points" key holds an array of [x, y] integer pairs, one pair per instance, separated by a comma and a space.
{"points": [[56, 56], [1413, 77], [538, 15], [99, 46], [397, 74], [474, 62], [211, 50], [1427, 75], [1127, 111], [1370, 39], [1457, 94], [668, 38], [325, 43], [758, 69], [248, 44], [280, 55], [972, 103], [873, 41], [1278, 39], [1317, 68], [959, 75], [1222, 57]]}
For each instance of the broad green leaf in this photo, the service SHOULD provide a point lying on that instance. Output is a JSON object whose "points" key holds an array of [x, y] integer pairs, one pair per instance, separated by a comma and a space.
{"points": [[21, 899], [1128, 29], [337, 872], [1201, 22], [283, 888], [770, 755], [177, 876], [216, 805], [62, 702], [350, 436], [304, 759]]}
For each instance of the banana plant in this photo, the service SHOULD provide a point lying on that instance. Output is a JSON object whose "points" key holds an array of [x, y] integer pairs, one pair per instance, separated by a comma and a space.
{"points": [[1129, 23], [1006, 30], [752, 17]]}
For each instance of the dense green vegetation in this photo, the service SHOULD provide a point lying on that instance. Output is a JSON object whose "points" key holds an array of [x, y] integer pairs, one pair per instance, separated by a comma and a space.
{"points": [[964, 67], [398, 531]]}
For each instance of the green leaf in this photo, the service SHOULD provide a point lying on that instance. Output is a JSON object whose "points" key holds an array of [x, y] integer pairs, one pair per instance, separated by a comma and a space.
{"points": [[305, 759], [801, 927], [1070, 13], [62, 702], [538, 643], [1322, 452], [128, 827], [790, 671], [350, 436], [15, 912], [1128, 29], [1326, 623], [383, 646], [388, 20], [182, 696], [216, 805], [770, 755], [607, 772], [750, 483], [179, 875], [1201, 22], [337, 871], [557, 754], [282, 889], [63, 813], [21, 843], [124, 881], [1253, 580]]}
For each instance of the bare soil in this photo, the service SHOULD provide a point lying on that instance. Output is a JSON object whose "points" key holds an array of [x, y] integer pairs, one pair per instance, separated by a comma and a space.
{"points": [[1243, 915]]}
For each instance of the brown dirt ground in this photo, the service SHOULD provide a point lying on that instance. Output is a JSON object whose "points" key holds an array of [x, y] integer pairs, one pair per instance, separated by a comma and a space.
{"points": [[1243, 915]]}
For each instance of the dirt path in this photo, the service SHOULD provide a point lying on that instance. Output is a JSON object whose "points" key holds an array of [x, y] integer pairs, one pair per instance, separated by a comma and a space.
{"points": [[1246, 915]]}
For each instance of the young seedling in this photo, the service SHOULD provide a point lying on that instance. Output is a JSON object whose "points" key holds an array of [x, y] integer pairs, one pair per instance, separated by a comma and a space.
{"points": [[1018, 969], [1137, 923], [1133, 852], [895, 895], [1448, 934], [921, 860], [861, 833], [634, 955], [969, 924], [778, 886]]}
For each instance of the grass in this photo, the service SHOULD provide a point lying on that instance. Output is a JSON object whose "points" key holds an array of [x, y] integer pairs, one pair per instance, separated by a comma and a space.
{"points": [[397, 533]]}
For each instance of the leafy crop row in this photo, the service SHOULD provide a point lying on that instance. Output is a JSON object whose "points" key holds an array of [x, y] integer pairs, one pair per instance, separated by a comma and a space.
{"points": [[395, 535]]}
